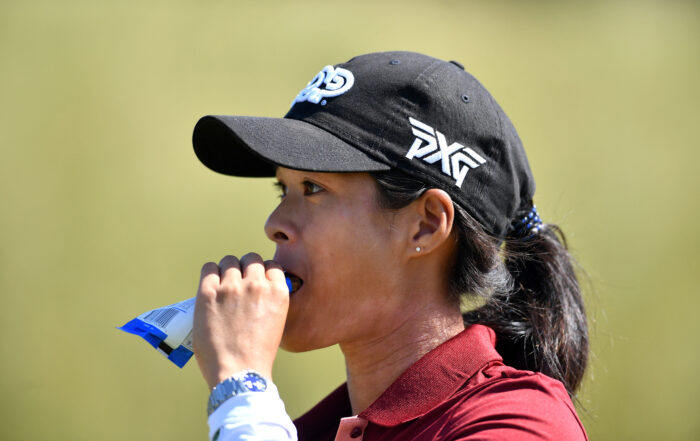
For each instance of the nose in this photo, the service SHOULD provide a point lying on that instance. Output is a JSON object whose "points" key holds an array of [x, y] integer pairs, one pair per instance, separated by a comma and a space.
{"points": [[279, 227]]}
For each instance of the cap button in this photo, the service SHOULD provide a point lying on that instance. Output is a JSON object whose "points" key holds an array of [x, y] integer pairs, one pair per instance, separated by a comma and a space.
{"points": [[457, 63]]}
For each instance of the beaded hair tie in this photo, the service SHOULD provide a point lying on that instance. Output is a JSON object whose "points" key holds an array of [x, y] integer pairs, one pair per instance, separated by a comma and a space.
{"points": [[529, 225]]}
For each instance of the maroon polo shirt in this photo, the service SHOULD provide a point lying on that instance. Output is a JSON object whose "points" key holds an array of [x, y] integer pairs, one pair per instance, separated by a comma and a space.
{"points": [[460, 390]]}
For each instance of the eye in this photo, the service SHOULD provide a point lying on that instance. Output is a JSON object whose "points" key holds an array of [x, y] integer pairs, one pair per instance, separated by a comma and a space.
{"points": [[281, 189], [311, 188]]}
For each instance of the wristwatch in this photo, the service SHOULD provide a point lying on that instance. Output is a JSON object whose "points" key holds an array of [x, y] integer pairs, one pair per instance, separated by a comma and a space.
{"points": [[245, 381]]}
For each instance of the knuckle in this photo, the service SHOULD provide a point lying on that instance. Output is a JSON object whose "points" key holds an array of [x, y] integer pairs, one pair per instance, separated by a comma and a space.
{"points": [[223, 289], [207, 294], [283, 295], [282, 298], [255, 286], [229, 287]]}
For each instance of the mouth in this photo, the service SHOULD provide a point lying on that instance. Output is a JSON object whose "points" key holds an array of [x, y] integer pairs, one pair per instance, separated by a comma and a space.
{"points": [[294, 281]]}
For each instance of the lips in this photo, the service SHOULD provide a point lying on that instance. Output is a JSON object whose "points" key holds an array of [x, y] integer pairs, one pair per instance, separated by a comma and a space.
{"points": [[296, 281]]}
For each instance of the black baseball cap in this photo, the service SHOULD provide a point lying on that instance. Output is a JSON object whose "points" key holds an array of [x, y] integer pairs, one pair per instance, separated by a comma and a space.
{"points": [[390, 110]]}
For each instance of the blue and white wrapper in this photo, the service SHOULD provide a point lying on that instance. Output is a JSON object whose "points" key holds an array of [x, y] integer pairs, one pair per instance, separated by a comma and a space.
{"points": [[168, 329]]}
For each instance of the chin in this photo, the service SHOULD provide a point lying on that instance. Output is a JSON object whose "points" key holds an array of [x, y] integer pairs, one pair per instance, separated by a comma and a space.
{"points": [[299, 344]]}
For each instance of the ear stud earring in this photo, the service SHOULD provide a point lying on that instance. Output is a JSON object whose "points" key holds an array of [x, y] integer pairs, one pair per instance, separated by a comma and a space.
{"points": [[418, 249]]}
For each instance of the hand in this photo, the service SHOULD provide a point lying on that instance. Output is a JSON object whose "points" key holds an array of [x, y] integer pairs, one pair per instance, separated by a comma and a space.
{"points": [[239, 317]]}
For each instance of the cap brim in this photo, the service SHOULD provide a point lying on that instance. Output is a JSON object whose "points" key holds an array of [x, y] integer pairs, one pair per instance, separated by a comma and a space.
{"points": [[253, 146]]}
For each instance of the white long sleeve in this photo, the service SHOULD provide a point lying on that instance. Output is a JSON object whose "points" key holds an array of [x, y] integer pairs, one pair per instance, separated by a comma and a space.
{"points": [[252, 416]]}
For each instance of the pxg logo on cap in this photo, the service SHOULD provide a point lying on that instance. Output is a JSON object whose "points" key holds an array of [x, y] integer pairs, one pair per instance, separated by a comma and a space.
{"points": [[328, 83], [450, 156]]}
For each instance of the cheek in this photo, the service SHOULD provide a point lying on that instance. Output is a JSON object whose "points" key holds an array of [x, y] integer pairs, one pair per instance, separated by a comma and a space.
{"points": [[351, 239], [353, 261], [351, 264]]}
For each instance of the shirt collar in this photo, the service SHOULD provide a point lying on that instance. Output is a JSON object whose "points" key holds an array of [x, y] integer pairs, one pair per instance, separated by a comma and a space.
{"points": [[422, 387], [321, 422]]}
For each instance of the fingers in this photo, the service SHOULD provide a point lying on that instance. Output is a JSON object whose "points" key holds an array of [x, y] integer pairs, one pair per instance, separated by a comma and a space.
{"points": [[252, 266], [230, 270], [274, 272], [239, 316], [209, 279]]}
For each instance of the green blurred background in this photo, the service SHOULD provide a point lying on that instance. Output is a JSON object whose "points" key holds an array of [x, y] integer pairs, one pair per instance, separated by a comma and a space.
{"points": [[105, 212]]}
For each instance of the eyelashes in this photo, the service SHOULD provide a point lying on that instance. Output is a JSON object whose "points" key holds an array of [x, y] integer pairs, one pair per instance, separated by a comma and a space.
{"points": [[281, 189], [310, 188]]}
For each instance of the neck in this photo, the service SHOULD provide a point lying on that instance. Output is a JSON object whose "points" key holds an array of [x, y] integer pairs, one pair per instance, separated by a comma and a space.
{"points": [[373, 365]]}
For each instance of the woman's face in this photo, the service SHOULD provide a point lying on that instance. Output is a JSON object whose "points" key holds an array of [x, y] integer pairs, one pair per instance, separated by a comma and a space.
{"points": [[331, 233]]}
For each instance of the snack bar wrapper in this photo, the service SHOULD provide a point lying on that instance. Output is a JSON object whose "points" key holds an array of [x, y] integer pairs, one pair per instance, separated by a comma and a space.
{"points": [[168, 329]]}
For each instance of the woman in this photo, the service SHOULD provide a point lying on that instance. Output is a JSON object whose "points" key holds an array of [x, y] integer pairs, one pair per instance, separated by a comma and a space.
{"points": [[404, 189]]}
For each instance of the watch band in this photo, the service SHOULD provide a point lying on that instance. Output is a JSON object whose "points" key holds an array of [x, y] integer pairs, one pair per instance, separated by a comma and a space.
{"points": [[240, 382]]}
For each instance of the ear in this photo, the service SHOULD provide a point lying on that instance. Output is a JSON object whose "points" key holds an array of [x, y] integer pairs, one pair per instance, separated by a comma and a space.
{"points": [[433, 223]]}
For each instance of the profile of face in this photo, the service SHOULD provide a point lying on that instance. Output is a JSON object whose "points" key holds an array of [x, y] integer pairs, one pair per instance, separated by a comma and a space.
{"points": [[349, 252]]}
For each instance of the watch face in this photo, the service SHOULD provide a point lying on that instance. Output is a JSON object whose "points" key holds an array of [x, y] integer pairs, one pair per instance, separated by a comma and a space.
{"points": [[254, 382]]}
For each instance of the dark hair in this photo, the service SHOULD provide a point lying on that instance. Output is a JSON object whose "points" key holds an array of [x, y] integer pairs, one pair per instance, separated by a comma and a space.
{"points": [[532, 299]]}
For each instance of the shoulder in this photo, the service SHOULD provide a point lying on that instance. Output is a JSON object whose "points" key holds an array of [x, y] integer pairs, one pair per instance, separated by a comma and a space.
{"points": [[505, 403]]}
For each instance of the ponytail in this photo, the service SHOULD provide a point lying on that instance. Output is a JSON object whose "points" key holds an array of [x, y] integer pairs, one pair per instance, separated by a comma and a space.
{"points": [[540, 323], [532, 299]]}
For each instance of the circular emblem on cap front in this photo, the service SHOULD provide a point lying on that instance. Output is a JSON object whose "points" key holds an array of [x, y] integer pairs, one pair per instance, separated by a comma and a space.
{"points": [[330, 82]]}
